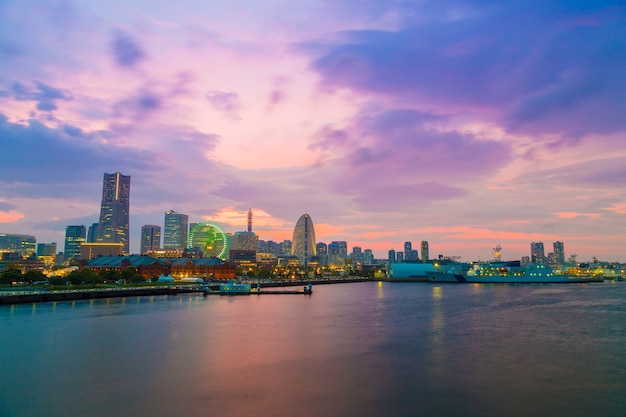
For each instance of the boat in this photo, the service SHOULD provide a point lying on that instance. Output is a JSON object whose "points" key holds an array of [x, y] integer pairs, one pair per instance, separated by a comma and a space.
{"points": [[503, 273]]}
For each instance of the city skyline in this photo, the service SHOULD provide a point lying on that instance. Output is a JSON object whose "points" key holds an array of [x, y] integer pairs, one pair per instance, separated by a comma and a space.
{"points": [[467, 124]]}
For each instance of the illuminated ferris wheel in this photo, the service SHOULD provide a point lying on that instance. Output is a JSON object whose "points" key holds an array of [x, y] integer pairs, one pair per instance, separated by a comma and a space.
{"points": [[210, 239]]}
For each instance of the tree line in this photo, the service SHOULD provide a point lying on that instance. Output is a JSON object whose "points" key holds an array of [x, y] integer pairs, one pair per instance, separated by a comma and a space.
{"points": [[81, 276]]}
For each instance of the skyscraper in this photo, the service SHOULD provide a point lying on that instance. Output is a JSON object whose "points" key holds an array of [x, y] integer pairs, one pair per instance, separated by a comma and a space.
{"points": [[408, 247], [425, 253], [176, 230], [74, 237], [537, 254], [304, 239], [559, 252], [150, 238], [114, 210], [392, 256]]}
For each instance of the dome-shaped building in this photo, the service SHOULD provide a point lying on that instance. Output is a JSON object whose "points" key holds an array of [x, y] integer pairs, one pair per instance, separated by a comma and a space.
{"points": [[303, 242]]}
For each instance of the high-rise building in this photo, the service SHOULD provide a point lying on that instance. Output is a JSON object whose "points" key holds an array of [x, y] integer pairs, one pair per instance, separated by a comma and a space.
{"points": [[559, 252], [24, 245], [304, 239], [400, 257], [150, 238], [537, 254], [74, 237], [46, 252], [392, 256], [425, 254], [176, 230], [408, 247], [322, 248], [244, 241], [285, 247], [92, 233], [114, 210], [338, 247], [368, 257]]}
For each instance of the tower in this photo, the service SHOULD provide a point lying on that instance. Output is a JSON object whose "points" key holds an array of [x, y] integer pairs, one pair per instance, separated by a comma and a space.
{"points": [[425, 253], [303, 245], [537, 254], [114, 210], [176, 230], [150, 238], [559, 252], [74, 236], [250, 221]]}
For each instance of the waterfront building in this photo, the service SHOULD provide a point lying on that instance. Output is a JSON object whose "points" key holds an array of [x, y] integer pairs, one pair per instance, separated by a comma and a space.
{"points": [[24, 245], [368, 257], [244, 241], [273, 247], [304, 246], [175, 230], [559, 252], [91, 250], [391, 258], [338, 247], [92, 232], [409, 253], [74, 236], [150, 238], [114, 211], [285, 247], [242, 257], [322, 248], [425, 254], [357, 254], [46, 252], [399, 257], [537, 254]]}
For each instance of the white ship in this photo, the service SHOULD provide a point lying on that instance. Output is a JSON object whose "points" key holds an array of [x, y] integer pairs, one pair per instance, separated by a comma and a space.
{"points": [[503, 273]]}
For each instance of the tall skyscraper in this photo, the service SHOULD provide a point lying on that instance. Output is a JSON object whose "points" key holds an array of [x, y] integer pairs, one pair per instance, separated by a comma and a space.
{"points": [[559, 252], [425, 253], [74, 237], [150, 238], [392, 256], [537, 254], [408, 247], [176, 230], [304, 239], [114, 210]]}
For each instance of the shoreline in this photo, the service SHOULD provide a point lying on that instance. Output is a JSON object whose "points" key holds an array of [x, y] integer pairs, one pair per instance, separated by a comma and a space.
{"points": [[23, 297]]}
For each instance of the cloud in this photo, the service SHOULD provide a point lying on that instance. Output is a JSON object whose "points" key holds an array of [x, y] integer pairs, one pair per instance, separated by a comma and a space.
{"points": [[535, 69], [37, 154], [45, 95], [225, 102], [126, 50]]}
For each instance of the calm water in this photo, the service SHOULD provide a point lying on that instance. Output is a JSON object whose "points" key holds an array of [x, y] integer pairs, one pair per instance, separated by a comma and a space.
{"points": [[368, 349]]}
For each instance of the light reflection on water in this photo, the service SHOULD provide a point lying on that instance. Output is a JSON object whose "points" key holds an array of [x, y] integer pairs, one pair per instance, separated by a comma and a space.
{"points": [[368, 349]]}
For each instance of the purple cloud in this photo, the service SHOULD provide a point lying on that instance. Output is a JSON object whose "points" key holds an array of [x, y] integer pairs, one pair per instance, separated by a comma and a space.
{"points": [[45, 95], [563, 76], [225, 102], [126, 50]]}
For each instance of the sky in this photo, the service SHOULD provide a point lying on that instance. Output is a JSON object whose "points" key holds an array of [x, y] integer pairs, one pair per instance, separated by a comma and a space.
{"points": [[465, 123]]}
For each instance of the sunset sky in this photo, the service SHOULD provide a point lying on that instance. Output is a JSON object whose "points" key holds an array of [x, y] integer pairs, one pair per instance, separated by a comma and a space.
{"points": [[464, 123]]}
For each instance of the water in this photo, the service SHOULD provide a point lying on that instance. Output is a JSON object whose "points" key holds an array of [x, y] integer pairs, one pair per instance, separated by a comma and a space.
{"points": [[361, 349]]}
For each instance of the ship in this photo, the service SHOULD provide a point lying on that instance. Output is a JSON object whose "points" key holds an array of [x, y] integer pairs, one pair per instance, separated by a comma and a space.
{"points": [[503, 273]]}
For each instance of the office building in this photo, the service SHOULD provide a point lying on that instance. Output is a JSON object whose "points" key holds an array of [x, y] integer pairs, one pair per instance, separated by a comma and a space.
{"points": [[425, 255], [391, 258], [304, 246], [46, 252], [74, 237], [175, 230], [559, 253], [150, 238], [114, 211], [23, 245], [537, 254]]}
